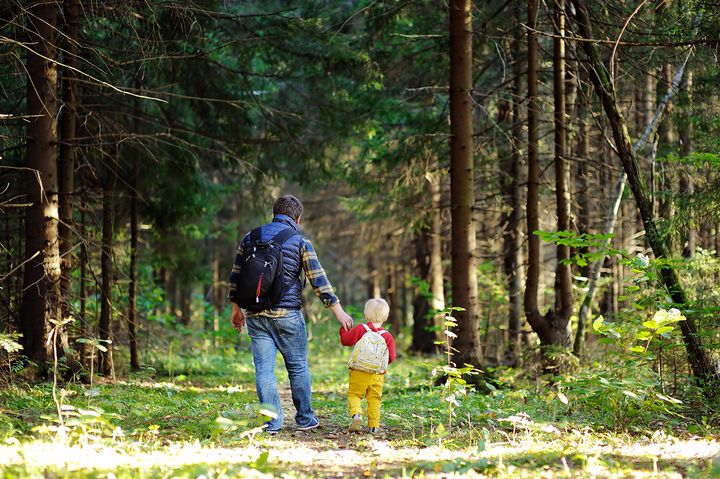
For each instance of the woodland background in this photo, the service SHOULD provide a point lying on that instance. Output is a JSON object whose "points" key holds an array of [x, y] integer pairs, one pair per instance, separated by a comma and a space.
{"points": [[467, 159]]}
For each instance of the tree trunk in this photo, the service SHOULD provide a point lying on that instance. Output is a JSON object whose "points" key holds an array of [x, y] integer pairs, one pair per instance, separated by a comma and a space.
{"points": [[703, 368], [132, 286], [423, 338], [106, 265], [462, 196], [687, 185], [532, 212], [66, 162], [41, 291], [563, 275], [393, 299], [510, 186], [373, 283], [436, 278], [82, 350]]}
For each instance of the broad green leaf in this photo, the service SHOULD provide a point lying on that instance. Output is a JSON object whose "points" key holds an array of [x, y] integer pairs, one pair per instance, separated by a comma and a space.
{"points": [[643, 336], [597, 324], [664, 329]]}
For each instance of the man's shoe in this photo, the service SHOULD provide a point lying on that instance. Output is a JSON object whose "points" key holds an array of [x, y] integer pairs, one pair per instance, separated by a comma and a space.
{"points": [[356, 423], [313, 424], [270, 432]]}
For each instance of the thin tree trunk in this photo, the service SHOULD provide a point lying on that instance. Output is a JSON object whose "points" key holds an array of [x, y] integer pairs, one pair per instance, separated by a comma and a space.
{"points": [[82, 350], [435, 275], [41, 285], [703, 368], [423, 338], [512, 236], [532, 212], [373, 284], [393, 299], [462, 196], [132, 286], [563, 275], [106, 264], [687, 184], [66, 162]]}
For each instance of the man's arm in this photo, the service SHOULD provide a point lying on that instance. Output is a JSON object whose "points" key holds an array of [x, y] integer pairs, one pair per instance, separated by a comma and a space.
{"points": [[237, 316], [315, 274], [234, 273]]}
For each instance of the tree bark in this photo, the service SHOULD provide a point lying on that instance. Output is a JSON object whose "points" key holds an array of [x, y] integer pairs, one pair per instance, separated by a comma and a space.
{"points": [[510, 186], [532, 212], [41, 291], [423, 338], [563, 274], [132, 286], [703, 368], [106, 265], [393, 298], [436, 278], [66, 162], [687, 184], [462, 197], [82, 349]]}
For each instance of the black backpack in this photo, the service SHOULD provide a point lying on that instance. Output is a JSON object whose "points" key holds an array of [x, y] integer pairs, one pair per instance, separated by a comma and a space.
{"points": [[260, 283]]}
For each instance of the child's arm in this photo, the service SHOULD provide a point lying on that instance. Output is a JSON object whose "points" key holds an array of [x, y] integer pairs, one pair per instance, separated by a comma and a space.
{"points": [[349, 338], [390, 341]]}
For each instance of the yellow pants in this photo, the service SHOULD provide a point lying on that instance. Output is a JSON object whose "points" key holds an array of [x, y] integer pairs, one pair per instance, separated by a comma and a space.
{"points": [[369, 386]]}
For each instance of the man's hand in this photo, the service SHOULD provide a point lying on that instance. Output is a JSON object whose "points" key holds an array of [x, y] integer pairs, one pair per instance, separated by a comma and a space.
{"points": [[237, 317], [342, 316]]}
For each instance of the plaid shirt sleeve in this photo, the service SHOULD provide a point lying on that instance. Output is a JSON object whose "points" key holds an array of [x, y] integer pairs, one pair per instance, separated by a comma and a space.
{"points": [[234, 273], [315, 273]]}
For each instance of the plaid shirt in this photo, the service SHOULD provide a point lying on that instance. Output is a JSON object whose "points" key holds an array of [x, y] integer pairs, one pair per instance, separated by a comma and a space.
{"points": [[314, 273]]}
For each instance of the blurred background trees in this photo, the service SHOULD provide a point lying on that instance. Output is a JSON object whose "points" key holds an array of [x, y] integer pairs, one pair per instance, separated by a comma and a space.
{"points": [[141, 141]]}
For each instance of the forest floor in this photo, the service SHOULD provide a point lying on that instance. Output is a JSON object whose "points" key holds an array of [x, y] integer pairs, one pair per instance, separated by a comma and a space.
{"points": [[196, 415]]}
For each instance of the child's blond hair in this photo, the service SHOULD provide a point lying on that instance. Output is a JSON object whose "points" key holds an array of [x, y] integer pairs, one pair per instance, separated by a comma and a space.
{"points": [[376, 310]]}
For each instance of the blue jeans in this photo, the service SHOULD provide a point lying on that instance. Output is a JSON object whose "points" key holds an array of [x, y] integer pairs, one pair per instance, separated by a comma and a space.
{"points": [[285, 334]]}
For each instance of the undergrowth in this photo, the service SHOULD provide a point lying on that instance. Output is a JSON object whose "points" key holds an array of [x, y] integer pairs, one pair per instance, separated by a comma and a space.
{"points": [[196, 409]]}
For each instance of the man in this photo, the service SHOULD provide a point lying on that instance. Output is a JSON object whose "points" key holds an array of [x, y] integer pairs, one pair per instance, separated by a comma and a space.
{"points": [[282, 326]]}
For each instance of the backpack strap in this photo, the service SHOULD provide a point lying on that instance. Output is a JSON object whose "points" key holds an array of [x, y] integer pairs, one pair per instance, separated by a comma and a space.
{"points": [[379, 331], [284, 235], [255, 235]]}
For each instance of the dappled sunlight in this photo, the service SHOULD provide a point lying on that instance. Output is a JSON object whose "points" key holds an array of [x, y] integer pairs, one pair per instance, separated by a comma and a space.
{"points": [[322, 454], [135, 455]]}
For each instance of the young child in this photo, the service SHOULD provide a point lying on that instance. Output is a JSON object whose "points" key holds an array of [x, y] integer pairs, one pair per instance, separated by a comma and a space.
{"points": [[364, 384]]}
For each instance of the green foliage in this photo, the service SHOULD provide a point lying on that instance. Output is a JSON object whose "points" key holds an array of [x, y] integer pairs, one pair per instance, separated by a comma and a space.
{"points": [[587, 247]]}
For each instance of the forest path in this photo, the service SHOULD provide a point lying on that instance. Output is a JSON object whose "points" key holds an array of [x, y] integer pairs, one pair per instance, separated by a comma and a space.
{"points": [[331, 450]]}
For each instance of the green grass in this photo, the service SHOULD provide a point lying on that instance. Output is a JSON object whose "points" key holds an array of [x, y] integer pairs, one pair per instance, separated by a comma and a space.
{"points": [[162, 422]]}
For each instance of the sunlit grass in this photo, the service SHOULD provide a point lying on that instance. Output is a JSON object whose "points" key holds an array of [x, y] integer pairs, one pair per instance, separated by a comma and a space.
{"points": [[162, 422]]}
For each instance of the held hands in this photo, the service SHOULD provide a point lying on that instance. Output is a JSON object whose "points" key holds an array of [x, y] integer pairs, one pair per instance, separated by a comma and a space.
{"points": [[342, 317], [237, 317]]}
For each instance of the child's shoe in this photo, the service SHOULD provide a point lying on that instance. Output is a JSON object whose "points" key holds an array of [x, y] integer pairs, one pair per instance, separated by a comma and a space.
{"points": [[373, 430], [356, 423]]}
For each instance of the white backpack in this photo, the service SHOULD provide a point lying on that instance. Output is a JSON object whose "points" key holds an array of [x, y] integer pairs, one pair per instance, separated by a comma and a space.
{"points": [[370, 353]]}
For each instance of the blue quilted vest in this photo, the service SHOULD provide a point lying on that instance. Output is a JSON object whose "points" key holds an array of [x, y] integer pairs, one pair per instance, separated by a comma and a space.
{"points": [[292, 262]]}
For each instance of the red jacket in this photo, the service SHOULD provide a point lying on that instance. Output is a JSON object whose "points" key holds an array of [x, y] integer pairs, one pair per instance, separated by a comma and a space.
{"points": [[349, 338]]}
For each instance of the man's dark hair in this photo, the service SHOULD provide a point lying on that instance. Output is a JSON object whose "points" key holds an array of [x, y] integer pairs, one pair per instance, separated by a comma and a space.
{"points": [[288, 205]]}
